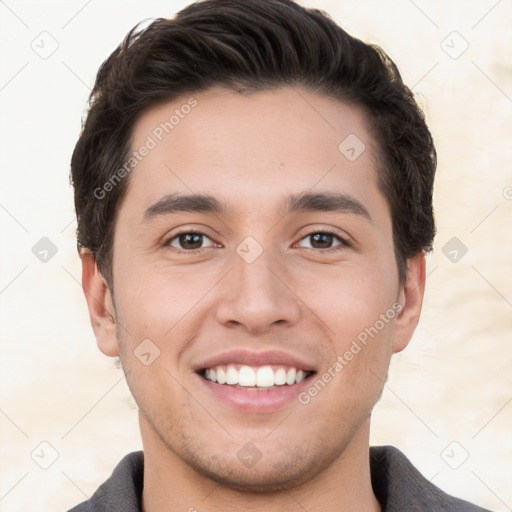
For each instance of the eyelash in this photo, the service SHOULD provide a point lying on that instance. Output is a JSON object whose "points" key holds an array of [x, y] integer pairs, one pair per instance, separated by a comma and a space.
{"points": [[344, 243]]}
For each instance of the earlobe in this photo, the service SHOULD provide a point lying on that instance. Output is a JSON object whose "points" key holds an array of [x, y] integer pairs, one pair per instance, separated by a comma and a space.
{"points": [[100, 304], [411, 297]]}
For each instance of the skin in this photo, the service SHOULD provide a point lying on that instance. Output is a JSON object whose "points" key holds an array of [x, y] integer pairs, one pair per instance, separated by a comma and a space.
{"points": [[251, 151]]}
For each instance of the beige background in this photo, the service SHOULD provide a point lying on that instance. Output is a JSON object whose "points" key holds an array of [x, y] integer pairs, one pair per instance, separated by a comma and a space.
{"points": [[449, 394]]}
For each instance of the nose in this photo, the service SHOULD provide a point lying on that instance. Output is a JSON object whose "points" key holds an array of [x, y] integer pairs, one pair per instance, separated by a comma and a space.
{"points": [[258, 296]]}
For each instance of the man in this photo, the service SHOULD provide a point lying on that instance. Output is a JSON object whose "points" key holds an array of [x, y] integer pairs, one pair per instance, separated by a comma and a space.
{"points": [[253, 189]]}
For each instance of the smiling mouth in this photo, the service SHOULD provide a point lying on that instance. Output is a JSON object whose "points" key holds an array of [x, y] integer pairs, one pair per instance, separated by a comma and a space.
{"points": [[259, 378]]}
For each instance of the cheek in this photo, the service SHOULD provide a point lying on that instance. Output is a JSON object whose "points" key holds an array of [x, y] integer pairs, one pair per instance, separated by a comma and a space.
{"points": [[360, 325], [161, 311], [349, 300], [155, 314], [155, 300]]}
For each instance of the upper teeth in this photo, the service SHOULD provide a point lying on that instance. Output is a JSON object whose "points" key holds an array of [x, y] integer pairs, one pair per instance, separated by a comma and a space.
{"points": [[264, 376]]}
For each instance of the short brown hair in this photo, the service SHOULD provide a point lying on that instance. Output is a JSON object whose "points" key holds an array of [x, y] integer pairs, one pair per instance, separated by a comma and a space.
{"points": [[254, 45]]}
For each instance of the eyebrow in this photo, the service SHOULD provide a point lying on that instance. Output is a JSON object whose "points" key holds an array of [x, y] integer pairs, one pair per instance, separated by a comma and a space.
{"points": [[325, 202], [306, 202], [174, 203]]}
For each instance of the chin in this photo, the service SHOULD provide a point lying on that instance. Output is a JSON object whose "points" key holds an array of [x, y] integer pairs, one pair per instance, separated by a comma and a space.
{"points": [[258, 480], [276, 470]]}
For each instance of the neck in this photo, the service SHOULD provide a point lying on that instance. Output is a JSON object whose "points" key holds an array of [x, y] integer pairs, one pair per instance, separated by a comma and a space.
{"points": [[172, 485]]}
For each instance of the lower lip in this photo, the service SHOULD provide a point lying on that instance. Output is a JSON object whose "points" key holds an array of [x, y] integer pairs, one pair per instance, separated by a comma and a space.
{"points": [[254, 401]]}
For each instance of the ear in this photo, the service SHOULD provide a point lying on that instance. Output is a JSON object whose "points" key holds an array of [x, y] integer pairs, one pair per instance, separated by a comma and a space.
{"points": [[100, 304], [411, 297]]}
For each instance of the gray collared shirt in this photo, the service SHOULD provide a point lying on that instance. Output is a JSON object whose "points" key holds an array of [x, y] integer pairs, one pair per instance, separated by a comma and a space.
{"points": [[397, 484]]}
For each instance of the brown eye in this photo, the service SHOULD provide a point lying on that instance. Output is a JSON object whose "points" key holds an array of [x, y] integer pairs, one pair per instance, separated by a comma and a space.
{"points": [[321, 240], [189, 241]]}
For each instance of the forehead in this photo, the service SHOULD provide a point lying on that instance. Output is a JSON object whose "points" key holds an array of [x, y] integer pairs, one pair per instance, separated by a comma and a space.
{"points": [[251, 147]]}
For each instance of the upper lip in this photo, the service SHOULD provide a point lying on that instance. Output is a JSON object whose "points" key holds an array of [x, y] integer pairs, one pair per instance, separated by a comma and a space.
{"points": [[254, 358]]}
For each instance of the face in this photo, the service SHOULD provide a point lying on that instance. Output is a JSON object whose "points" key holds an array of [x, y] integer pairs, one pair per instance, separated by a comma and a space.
{"points": [[257, 300]]}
